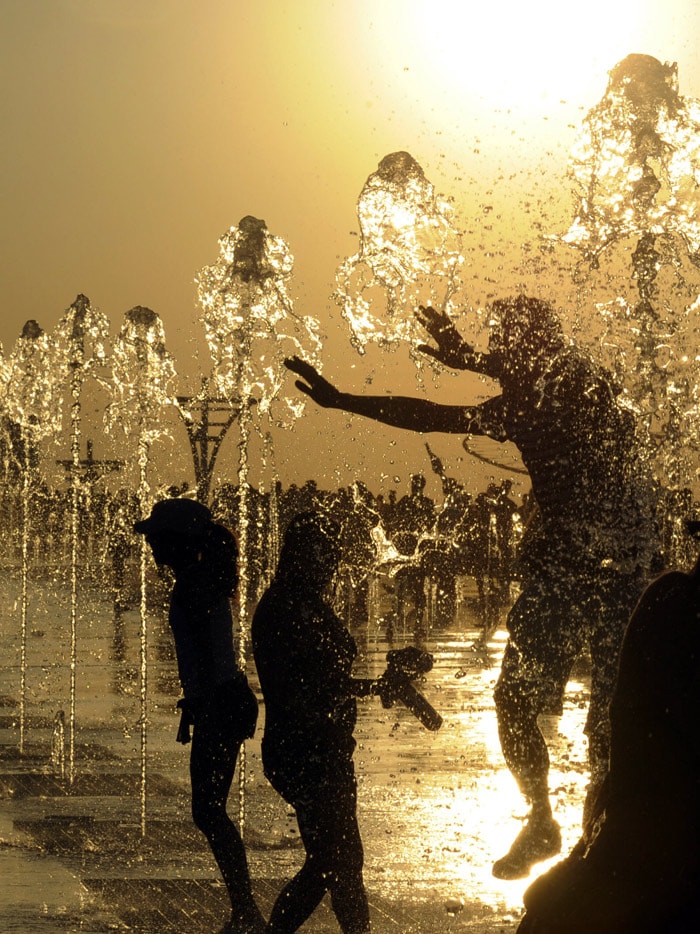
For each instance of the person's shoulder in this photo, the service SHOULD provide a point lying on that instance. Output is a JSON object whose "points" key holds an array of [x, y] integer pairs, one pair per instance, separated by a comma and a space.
{"points": [[670, 587], [572, 363], [265, 616], [274, 605], [574, 372], [220, 541], [221, 534]]}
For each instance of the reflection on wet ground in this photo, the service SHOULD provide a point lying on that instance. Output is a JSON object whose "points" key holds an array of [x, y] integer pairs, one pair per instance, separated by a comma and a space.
{"points": [[435, 809]]}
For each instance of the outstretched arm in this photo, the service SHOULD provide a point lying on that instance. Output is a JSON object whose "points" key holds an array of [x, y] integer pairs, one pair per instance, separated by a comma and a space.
{"points": [[452, 350], [399, 411]]}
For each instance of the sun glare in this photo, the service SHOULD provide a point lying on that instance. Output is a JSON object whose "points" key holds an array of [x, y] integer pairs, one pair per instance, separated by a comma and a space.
{"points": [[522, 56]]}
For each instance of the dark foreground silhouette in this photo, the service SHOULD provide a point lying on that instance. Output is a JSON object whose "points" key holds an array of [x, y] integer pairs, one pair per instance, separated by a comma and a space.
{"points": [[637, 868]]}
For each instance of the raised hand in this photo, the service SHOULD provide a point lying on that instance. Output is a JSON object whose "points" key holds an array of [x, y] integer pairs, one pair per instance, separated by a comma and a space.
{"points": [[452, 349], [314, 385]]}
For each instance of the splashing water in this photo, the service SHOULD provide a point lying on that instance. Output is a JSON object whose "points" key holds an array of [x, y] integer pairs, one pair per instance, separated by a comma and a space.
{"points": [[409, 254], [33, 401], [636, 165], [80, 338], [249, 319], [251, 328], [143, 377], [636, 174]]}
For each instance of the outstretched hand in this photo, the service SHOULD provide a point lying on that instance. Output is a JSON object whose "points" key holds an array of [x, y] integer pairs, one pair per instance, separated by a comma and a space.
{"points": [[451, 348], [314, 385]]}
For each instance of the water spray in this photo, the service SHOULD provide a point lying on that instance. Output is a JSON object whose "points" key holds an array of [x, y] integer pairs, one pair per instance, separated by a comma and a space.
{"points": [[143, 377], [251, 327]]}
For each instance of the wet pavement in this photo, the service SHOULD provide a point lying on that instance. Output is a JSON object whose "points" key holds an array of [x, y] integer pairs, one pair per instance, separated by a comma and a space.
{"points": [[435, 809]]}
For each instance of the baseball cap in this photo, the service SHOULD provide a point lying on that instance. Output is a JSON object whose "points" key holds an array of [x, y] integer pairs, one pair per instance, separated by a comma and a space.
{"points": [[181, 516]]}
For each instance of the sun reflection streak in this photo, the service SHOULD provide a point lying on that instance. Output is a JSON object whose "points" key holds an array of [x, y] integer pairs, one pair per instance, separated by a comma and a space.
{"points": [[447, 804]]}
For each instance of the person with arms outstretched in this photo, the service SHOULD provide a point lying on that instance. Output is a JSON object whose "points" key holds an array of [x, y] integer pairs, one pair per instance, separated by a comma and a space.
{"points": [[596, 541]]}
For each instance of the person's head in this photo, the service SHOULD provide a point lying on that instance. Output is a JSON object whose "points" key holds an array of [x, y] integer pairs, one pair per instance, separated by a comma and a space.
{"points": [[417, 483], [176, 529], [450, 487], [522, 329], [310, 551]]}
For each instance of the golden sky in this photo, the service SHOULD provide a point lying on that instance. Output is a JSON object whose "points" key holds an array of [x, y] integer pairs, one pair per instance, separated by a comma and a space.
{"points": [[135, 134]]}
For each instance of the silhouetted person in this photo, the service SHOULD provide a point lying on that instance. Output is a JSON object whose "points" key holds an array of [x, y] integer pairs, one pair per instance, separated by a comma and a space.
{"points": [[592, 560], [494, 511], [413, 517], [217, 699], [357, 515], [507, 512], [449, 552], [304, 657], [637, 868], [415, 512]]}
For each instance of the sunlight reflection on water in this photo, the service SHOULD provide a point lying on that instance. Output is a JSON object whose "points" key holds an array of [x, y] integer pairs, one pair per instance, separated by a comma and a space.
{"points": [[435, 809]]}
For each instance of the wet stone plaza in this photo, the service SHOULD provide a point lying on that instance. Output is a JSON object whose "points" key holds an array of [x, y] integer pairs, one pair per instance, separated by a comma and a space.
{"points": [[90, 843]]}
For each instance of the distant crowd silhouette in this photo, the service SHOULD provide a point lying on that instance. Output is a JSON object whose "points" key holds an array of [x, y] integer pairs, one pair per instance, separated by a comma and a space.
{"points": [[421, 545]]}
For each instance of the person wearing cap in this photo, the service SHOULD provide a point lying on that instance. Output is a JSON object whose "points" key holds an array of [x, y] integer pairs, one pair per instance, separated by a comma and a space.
{"points": [[637, 866], [589, 555], [304, 656], [218, 702]]}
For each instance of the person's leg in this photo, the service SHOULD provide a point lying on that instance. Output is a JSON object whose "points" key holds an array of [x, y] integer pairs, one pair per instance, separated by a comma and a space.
{"points": [[299, 898], [328, 828], [522, 743], [212, 764], [533, 675], [344, 856]]}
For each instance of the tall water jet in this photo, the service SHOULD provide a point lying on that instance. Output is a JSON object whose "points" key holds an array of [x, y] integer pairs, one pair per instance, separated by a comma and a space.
{"points": [[5, 423], [636, 175], [80, 340], [410, 253], [33, 403], [143, 377], [251, 327]]}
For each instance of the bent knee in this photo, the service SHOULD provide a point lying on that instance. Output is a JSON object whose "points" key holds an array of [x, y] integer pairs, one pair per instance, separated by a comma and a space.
{"points": [[207, 817], [507, 694]]}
